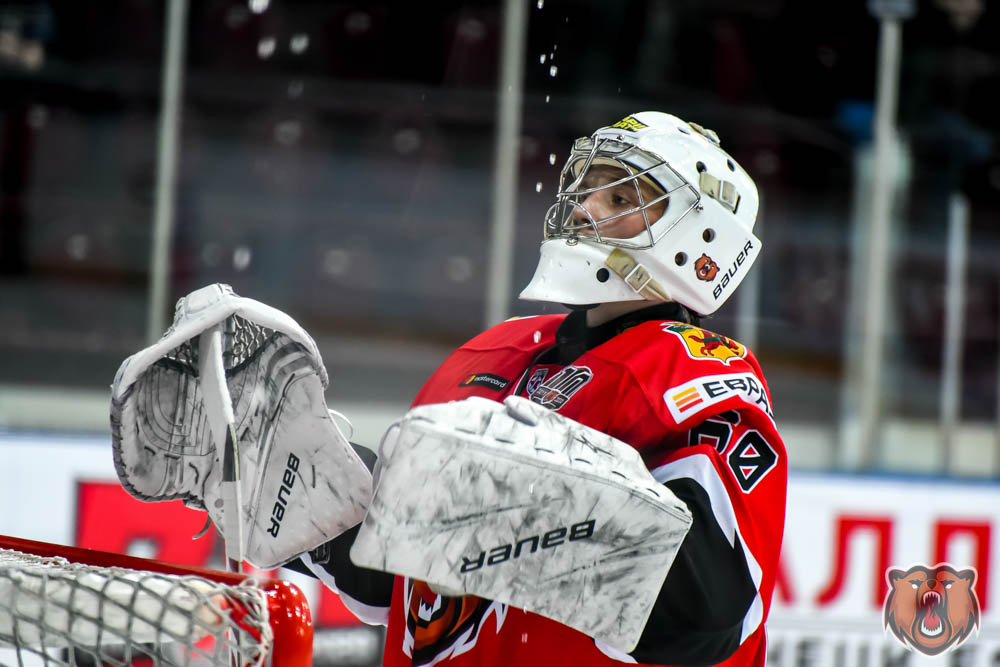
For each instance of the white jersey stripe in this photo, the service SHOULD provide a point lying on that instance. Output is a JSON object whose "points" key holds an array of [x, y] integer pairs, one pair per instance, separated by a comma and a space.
{"points": [[614, 653], [365, 612], [699, 468]]}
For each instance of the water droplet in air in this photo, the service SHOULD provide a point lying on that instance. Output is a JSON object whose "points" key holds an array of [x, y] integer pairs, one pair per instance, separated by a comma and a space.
{"points": [[299, 43], [546, 99], [288, 132], [471, 30], [265, 47], [236, 17], [357, 23], [78, 247], [552, 158], [38, 115], [241, 258], [458, 268], [541, 58], [211, 254], [538, 186], [258, 6], [336, 261], [407, 141], [541, 3], [553, 70]]}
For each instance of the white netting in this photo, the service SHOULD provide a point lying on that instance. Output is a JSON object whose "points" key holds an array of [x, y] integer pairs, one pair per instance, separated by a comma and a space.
{"points": [[53, 612]]}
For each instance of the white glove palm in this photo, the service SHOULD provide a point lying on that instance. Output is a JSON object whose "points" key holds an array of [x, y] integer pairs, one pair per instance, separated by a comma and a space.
{"points": [[172, 404]]}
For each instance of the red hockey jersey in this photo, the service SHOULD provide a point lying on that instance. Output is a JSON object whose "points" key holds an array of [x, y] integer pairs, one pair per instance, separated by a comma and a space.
{"points": [[696, 406]]}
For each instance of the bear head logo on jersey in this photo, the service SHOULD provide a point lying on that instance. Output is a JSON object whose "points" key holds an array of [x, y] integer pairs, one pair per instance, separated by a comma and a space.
{"points": [[439, 626], [931, 609]]}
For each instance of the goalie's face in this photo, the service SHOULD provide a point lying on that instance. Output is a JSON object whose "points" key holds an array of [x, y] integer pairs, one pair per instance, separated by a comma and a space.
{"points": [[612, 205], [617, 194]]}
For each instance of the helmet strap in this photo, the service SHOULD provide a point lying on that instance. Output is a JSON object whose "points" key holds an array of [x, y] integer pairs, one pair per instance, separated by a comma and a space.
{"points": [[636, 276], [722, 191]]}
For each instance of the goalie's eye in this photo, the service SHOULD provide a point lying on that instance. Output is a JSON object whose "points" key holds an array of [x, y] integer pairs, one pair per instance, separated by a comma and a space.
{"points": [[619, 200]]}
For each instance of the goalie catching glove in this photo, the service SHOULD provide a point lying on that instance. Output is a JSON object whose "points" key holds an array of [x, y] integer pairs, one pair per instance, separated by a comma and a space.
{"points": [[227, 413], [516, 503]]}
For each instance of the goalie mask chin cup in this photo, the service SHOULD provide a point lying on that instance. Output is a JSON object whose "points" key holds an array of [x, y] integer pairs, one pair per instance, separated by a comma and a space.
{"points": [[696, 253], [301, 482]]}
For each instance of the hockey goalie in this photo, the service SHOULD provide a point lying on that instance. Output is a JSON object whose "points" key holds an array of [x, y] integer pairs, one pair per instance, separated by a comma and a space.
{"points": [[596, 488]]}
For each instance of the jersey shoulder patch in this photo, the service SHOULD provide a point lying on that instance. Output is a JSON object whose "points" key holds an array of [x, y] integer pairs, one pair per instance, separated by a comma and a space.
{"points": [[703, 344], [690, 373]]}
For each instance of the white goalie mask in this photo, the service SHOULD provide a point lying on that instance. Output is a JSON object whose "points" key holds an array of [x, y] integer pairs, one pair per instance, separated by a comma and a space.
{"points": [[650, 208]]}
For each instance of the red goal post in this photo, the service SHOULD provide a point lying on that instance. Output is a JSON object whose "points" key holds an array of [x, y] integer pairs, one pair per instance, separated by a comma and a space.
{"points": [[58, 602]]}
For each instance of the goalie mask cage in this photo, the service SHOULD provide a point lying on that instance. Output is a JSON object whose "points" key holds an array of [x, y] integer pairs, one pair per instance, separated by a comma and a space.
{"points": [[64, 605]]}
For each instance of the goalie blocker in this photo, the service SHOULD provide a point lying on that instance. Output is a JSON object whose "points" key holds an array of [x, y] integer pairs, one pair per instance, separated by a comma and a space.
{"points": [[300, 483], [515, 503]]}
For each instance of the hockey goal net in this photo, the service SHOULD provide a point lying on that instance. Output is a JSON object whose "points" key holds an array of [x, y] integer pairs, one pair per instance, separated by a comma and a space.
{"points": [[69, 606]]}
